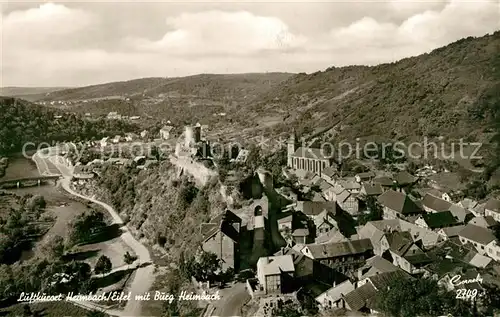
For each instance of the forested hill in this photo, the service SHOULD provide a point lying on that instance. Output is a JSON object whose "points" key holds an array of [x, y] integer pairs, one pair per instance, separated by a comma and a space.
{"points": [[22, 122], [210, 86], [452, 91]]}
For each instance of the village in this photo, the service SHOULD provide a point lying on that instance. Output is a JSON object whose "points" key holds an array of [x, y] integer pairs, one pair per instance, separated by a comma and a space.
{"points": [[348, 241]]}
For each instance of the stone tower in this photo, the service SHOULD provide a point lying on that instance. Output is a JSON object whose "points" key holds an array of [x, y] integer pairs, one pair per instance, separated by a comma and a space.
{"points": [[292, 146]]}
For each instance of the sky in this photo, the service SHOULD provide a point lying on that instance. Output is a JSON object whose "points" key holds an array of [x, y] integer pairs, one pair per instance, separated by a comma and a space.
{"points": [[75, 43]]}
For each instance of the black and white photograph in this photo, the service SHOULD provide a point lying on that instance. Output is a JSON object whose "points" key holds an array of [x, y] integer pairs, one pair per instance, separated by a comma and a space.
{"points": [[250, 158]]}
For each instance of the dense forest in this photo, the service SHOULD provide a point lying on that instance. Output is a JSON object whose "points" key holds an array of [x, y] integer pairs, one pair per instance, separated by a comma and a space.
{"points": [[22, 122]]}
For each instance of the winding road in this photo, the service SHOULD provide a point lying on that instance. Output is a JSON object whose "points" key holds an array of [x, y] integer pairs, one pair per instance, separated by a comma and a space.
{"points": [[144, 275]]}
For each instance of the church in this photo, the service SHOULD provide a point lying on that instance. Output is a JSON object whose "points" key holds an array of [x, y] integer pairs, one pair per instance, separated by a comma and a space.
{"points": [[309, 159]]}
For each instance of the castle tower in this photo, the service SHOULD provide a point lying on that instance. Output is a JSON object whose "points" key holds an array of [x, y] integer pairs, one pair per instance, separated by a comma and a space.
{"points": [[292, 146]]}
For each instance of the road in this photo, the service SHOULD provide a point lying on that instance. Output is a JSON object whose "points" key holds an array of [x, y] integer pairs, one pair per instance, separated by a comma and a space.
{"points": [[231, 302], [144, 276]]}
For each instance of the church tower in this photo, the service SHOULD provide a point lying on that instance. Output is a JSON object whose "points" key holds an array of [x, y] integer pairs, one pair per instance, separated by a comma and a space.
{"points": [[291, 147]]}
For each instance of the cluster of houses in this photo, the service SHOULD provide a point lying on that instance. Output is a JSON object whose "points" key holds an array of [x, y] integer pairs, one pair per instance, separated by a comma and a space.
{"points": [[344, 264]]}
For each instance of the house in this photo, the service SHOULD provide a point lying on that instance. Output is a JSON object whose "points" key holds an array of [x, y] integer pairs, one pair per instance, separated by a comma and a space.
{"points": [[324, 222], [135, 117], [384, 181], [361, 299], [331, 192], [308, 159], [483, 240], [343, 256], [404, 179], [364, 177], [140, 160], [165, 132], [129, 137], [375, 230], [300, 235], [350, 184], [331, 236], [468, 204], [285, 223], [221, 236], [82, 172], [397, 204], [117, 139], [374, 266], [436, 220], [371, 190], [348, 202], [485, 222], [404, 252], [450, 232], [330, 174], [431, 203], [461, 214], [144, 134], [334, 297], [104, 142], [114, 116], [492, 208], [274, 273]]}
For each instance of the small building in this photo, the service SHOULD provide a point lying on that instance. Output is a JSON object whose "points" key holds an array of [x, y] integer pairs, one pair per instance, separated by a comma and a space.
{"points": [[117, 139], [404, 179], [144, 134], [492, 208], [334, 297], [165, 132], [404, 252], [397, 205], [450, 232], [483, 240], [129, 137], [343, 256], [275, 273], [485, 222], [104, 142], [371, 190], [330, 174], [364, 177], [437, 220], [384, 181], [221, 236], [431, 203]]}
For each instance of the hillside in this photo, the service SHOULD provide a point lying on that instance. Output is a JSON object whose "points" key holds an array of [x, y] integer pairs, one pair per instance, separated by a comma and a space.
{"points": [[28, 93], [433, 94], [22, 122]]}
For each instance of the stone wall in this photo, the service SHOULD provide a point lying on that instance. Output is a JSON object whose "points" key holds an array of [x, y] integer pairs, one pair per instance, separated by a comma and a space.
{"points": [[200, 173]]}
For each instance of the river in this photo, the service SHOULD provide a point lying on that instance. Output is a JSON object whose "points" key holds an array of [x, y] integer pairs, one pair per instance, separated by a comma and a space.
{"points": [[59, 205]]}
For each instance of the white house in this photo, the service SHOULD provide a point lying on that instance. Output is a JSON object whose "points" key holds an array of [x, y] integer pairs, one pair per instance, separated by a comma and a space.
{"points": [[492, 208]]}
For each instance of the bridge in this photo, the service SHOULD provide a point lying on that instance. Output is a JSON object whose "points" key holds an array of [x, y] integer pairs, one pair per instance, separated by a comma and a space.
{"points": [[28, 181]]}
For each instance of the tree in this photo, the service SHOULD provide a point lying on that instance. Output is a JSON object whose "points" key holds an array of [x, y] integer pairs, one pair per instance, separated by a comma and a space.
{"points": [[419, 297], [86, 225], [128, 258], [287, 309], [103, 265], [54, 247], [207, 267]]}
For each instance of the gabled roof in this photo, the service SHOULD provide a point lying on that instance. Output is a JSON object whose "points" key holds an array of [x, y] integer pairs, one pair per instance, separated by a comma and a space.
{"points": [[468, 203], [493, 205], [331, 236], [398, 202], [273, 265], [373, 189], [477, 234], [404, 178], [460, 213], [399, 242], [314, 208], [383, 181], [436, 203], [484, 222], [383, 280], [223, 222], [335, 249], [329, 171], [360, 297], [380, 264], [366, 175], [452, 231], [349, 183], [439, 219], [335, 293]]}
